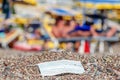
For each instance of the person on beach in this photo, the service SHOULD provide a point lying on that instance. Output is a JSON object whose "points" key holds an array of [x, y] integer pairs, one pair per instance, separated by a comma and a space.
{"points": [[82, 30], [69, 26], [111, 28], [58, 28]]}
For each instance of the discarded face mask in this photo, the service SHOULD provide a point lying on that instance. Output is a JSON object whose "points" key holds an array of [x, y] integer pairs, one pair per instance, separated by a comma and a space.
{"points": [[60, 67]]}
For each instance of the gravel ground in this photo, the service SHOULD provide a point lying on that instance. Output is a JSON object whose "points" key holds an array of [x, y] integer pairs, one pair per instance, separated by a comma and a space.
{"points": [[14, 65]]}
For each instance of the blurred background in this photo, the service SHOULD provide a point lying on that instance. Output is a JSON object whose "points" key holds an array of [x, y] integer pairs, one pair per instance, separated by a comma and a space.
{"points": [[35, 25]]}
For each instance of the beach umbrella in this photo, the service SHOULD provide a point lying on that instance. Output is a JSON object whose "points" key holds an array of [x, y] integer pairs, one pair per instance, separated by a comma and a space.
{"points": [[101, 4], [32, 2], [61, 12], [117, 6], [66, 13]]}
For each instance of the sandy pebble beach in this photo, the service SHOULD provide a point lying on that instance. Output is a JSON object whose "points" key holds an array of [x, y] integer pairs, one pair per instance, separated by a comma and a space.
{"points": [[14, 65]]}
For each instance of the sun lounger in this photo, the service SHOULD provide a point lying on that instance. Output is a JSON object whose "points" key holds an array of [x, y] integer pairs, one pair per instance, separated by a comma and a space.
{"points": [[9, 38], [93, 42], [48, 30]]}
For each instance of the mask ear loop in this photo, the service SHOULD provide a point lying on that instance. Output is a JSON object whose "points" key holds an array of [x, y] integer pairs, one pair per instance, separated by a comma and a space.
{"points": [[33, 74]]}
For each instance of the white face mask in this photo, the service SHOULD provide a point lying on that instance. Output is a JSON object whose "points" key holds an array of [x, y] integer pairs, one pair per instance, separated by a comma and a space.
{"points": [[59, 67]]}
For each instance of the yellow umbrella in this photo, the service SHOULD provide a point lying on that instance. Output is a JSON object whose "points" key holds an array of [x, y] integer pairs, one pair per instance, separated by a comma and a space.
{"points": [[104, 6], [100, 4], [79, 17], [116, 6], [33, 2], [87, 5], [20, 20]]}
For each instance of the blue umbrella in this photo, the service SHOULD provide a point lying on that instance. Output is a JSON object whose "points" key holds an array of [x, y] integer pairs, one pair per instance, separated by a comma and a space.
{"points": [[102, 4], [101, 1], [61, 12]]}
